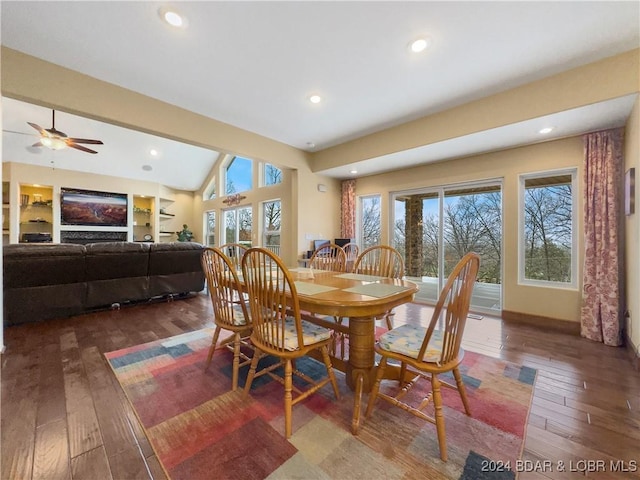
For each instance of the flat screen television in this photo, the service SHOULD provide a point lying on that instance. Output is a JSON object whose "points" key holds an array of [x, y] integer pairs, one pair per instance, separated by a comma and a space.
{"points": [[341, 242], [320, 243], [86, 207]]}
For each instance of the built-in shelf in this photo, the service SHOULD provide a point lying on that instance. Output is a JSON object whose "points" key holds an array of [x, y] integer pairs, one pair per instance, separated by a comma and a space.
{"points": [[36, 213]]}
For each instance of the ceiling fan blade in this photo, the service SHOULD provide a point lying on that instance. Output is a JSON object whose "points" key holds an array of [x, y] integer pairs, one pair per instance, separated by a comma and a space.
{"points": [[20, 133], [80, 147], [41, 130], [85, 140]]}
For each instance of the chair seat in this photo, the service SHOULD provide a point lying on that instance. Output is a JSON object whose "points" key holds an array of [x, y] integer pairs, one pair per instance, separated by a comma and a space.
{"points": [[238, 316], [311, 334], [407, 340]]}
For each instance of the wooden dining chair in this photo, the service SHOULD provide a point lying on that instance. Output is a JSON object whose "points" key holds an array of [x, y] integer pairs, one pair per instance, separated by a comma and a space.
{"points": [[425, 353], [329, 257], [229, 308], [382, 261], [278, 329], [351, 251]]}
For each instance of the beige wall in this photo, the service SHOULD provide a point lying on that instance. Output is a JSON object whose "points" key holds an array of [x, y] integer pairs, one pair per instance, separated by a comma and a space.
{"points": [[632, 228], [35, 81], [506, 165], [19, 173]]}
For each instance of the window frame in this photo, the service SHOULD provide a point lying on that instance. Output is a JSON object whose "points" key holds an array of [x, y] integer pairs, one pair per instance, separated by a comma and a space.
{"points": [[266, 232], [359, 223], [522, 178], [263, 174]]}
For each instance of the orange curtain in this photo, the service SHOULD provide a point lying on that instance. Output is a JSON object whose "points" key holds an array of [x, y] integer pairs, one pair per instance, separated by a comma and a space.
{"points": [[601, 315], [348, 209]]}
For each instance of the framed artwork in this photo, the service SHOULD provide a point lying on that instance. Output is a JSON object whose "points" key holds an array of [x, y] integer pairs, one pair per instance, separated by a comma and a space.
{"points": [[630, 191]]}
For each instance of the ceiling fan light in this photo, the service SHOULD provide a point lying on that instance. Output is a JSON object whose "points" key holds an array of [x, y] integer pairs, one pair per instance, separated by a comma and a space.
{"points": [[53, 143]]}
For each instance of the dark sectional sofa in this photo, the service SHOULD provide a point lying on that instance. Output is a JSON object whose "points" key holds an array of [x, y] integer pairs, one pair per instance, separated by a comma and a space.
{"points": [[46, 281]]}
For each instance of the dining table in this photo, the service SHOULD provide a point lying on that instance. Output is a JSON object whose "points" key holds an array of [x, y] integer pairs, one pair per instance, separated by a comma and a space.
{"points": [[326, 297]]}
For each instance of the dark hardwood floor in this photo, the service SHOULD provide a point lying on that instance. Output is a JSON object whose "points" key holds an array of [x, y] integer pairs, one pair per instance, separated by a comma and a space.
{"points": [[64, 415]]}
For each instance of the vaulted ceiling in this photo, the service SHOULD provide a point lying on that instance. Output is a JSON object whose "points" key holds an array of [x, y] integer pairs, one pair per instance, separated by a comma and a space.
{"points": [[254, 65]]}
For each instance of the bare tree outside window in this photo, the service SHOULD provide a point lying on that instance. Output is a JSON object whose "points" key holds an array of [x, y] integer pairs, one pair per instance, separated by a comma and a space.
{"points": [[238, 225], [370, 224], [271, 235], [210, 220], [548, 226], [473, 223], [272, 175], [245, 222]]}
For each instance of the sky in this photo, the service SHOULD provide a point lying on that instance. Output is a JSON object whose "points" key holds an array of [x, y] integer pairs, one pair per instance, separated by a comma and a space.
{"points": [[240, 174]]}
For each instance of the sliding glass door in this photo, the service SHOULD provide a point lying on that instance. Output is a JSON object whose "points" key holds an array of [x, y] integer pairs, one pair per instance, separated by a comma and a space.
{"points": [[434, 228]]}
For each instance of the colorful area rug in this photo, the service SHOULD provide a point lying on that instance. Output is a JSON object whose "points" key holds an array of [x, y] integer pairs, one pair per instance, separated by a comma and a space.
{"points": [[201, 430]]}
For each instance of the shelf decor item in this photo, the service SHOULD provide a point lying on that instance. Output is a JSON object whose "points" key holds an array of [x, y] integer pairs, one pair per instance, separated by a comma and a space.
{"points": [[185, 235]]}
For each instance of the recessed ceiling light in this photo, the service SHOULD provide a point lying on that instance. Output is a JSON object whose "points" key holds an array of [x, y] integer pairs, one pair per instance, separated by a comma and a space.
{"points": [[353, 171], [153, 152], [546, 130], [172, 17], [420, 44], [315, 98], [311, 144], [147, 168]]}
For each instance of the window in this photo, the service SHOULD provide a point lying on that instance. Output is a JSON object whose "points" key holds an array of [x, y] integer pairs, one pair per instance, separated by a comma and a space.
{"points": [[547, 235], [210, 191], [238, 226], [210, 228], [271, 225], [271, 175], [238, 175], [369, 224]]}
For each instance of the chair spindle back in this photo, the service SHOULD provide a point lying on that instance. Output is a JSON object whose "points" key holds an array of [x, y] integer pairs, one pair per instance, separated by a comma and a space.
{"points": [[329, 257], [453, 304], [380, 260], [267, 282], [223, 284]]}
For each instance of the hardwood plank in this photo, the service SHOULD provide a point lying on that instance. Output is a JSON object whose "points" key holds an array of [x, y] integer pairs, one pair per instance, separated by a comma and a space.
{"points": [[51, 457], [82, 422], [157, 472], [128, 463], [19, 408], [51, 401], [114, 428], [91, 465], [18, 438]]}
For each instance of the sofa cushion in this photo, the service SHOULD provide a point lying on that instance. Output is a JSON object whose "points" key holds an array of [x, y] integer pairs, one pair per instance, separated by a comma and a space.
{"points": [[42, 282], [116, 273], [32, 265], [175, 268]]}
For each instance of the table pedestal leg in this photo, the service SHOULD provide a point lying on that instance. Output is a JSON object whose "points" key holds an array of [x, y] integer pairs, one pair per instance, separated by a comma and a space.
{"points": [[360, 370], [361, 353]]}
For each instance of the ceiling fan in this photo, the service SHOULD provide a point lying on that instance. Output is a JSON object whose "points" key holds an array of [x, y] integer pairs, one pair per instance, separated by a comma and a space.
{"points": [[57, 140]]}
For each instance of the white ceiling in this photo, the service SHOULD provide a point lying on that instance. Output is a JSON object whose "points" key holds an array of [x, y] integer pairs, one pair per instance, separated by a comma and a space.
{"points": [[254, 64]]}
